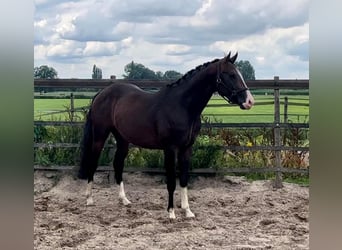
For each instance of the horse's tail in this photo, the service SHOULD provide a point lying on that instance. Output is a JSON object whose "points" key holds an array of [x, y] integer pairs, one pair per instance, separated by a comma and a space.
{"points": [[86, 147]]}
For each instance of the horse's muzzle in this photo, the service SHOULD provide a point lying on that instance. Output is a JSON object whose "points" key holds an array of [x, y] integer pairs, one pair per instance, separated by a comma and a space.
{"points": [[249, 102]]}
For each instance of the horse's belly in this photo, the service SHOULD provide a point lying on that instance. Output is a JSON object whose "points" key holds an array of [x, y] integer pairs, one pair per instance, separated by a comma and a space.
{"points": [[143, 138], [139, 132]]}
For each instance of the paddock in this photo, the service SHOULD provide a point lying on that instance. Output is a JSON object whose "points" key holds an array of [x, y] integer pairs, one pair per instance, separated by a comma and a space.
{"points": [[231, 213]]}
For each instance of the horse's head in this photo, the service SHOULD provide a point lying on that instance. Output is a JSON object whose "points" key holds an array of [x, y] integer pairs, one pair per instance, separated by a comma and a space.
{"points": [[231, 85]]}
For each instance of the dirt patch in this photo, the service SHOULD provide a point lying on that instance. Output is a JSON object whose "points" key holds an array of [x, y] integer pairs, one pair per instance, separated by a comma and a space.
{"points": [[230, 214]]}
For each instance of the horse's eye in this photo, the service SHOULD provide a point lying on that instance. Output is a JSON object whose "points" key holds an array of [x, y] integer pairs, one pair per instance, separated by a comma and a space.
{"points": [[233, 76]]}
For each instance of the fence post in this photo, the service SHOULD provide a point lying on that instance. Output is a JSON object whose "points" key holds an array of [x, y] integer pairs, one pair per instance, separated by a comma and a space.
{"points": [[72, 107], [277, 140], [286, 104]]}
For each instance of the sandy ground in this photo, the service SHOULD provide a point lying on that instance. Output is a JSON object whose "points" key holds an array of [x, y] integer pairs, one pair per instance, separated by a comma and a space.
{"points": [[231, 213]]}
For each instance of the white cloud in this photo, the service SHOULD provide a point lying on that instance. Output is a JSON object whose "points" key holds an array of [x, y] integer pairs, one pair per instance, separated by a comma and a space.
{"points": [[272, 51], [178, 35], [64, 24], [176, 49], [41, 23], [64, 49], [99, 49]]}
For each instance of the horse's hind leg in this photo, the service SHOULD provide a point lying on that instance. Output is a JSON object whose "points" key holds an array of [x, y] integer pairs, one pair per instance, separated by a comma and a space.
{"points": [[169, 161], [184, 163], [118, 164], [100, 136]]}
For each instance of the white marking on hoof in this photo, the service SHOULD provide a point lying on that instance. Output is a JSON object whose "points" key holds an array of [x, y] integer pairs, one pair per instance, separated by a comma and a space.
{"points": [[125, 201], [90, 201], [172, 214], [188, 213], [122, 195], [185, 203]]}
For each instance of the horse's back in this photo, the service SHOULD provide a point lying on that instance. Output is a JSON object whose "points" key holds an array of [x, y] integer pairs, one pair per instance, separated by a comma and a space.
{"points": [[128, 110], [105, 102], [118, 90]]}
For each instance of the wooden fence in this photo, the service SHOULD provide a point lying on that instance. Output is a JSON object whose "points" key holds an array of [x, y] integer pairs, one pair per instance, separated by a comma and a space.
{"points": [[276, 84]]}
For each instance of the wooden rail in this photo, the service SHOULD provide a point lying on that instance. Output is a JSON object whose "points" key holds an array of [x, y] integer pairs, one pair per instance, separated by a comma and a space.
{"points": [[102, 83]]}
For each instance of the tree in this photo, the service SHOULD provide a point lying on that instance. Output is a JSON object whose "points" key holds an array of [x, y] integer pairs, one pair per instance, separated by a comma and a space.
{"points": [[45, 72], [246, 69], [159, 75], [139, 71], [97, 73], [172, 75]]}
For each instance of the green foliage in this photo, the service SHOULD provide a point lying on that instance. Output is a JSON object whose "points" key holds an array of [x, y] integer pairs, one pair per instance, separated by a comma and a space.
{"points": [[138, 71], [295, 137], [50, 155], [97, 73], [296, 178], [146, 158], [40, 132], [45, 72], [207, 152], [50, 135], [172, 75], [246, 69]]}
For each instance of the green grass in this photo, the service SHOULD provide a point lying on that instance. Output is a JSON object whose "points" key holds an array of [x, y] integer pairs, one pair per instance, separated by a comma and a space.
{"points": [[44, 107], [227, 113], [259, 112], [302, 180]]}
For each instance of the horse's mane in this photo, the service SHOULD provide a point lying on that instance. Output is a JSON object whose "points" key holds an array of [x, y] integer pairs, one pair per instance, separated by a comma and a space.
{"points": [[191, 73]]}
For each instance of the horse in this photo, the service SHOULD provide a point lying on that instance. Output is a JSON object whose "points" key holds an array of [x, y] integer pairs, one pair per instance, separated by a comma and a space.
{"points": [[168, 120]]}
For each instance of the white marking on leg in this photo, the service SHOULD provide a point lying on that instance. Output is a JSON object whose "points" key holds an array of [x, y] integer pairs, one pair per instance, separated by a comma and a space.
{"points": [[90, 200], [184, 198], [172, 213], [185, 202], [122, 194]]}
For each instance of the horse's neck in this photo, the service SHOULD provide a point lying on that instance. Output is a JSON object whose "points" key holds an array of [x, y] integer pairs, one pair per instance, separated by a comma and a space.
{"points": [[196, 93]]}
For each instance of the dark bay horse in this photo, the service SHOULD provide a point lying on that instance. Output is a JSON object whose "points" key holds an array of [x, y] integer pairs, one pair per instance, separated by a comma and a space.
{"points": [[168, 120]]}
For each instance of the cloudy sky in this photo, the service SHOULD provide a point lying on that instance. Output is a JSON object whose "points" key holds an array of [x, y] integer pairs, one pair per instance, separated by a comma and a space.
{"points": [[72, 36]]}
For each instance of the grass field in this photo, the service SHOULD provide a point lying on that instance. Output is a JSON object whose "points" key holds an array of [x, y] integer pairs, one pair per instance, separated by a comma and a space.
{"points": [[260, 112], [228, 113]]}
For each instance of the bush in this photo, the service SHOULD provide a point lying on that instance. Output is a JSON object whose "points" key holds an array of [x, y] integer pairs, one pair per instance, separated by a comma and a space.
{"points": [[146, 158], [207, 150], [50, 155]]}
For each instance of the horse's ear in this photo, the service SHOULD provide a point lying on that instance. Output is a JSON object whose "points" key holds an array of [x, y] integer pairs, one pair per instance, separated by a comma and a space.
{"points": [[228, 57], [233, 59]]}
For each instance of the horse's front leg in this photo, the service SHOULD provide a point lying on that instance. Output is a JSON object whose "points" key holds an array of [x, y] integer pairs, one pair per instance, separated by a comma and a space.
{"points": [[184, 164], [169, 162], [119, 159]]}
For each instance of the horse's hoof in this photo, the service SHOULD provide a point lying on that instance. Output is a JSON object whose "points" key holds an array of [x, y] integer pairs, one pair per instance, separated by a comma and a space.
{"points": [[188, 213], [172, 215], [90, 201], [125, 201]]}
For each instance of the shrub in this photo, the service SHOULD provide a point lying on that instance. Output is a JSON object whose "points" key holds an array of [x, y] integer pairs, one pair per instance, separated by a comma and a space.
{"points": [[207, 151]]}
